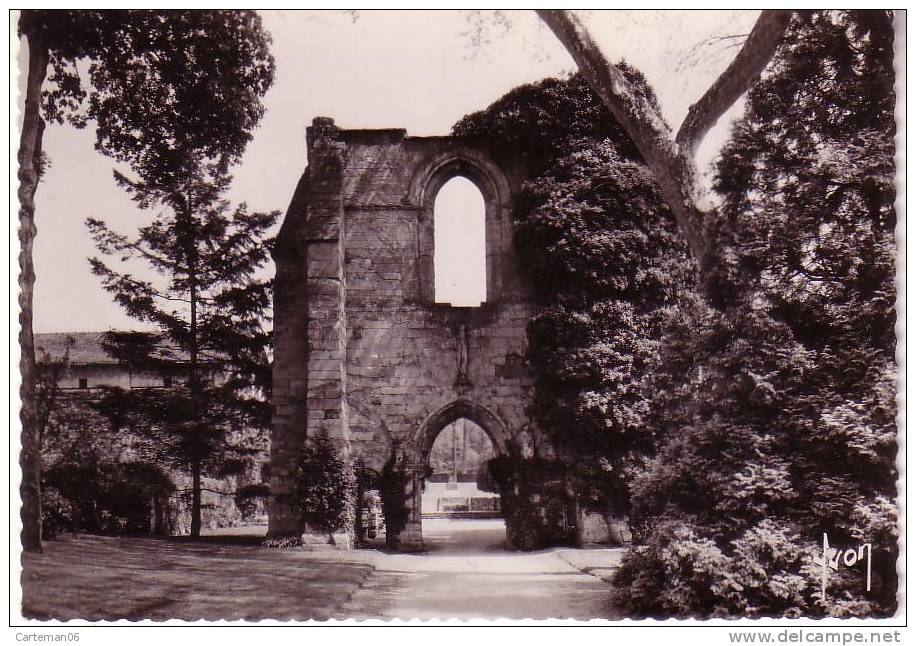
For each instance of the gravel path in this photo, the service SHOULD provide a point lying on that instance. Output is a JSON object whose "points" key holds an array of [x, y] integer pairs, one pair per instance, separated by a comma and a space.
{"points": [[467, 574]]}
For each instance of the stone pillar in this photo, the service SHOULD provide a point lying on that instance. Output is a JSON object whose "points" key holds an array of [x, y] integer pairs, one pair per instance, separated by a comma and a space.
{"points": [[289, 391], [326, 288], [327, 331], [410, 539], [309, 370]]}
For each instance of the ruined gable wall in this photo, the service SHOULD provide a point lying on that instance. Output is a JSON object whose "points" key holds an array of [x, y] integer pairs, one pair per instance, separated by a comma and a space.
{"points": [[361, 351], [402, 349]]}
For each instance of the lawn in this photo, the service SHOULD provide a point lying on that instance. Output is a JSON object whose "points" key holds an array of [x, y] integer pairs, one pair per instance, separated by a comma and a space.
{"points": [[109, 578]]}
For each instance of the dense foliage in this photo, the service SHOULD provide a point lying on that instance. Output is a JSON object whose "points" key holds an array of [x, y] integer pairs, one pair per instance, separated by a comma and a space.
{"points": [[86, 492], [539, 123], [84, 484], [747, 426], [156, 55], [775, 414], [251, 500], [534, 500], [326, 486], [605, 259]]}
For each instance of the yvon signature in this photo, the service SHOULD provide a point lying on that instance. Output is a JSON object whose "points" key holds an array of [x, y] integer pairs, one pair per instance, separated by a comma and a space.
{"points": [[830, 559]]}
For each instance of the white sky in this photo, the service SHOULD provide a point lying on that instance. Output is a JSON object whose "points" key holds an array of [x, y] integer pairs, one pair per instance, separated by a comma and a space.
{"points": [[459, 264], [413, 69]]}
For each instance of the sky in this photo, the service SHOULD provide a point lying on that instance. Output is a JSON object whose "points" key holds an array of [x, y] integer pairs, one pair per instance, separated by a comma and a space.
{"points": [[459, 241], [419, 70]]}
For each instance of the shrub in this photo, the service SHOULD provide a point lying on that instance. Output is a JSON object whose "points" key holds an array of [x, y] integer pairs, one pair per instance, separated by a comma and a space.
{"points": [[326, 487], [58, 513], [767, 571], [250, 499], [674, 574], [132, 488], [392, 485], [84, 493], [534, 500]]}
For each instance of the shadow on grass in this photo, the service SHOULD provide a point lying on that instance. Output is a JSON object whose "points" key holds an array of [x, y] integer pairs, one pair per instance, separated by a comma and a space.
{"points": [[213, 577], [227, 539]]}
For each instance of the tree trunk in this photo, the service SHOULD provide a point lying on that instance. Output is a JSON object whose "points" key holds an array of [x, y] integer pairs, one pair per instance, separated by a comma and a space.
{"points": [[195, 500], [195, 374], [671, 158], [29, 164]]}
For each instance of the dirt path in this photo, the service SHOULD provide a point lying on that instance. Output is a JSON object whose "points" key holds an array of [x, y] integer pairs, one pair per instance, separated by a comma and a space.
{"points": [[467, 574]]}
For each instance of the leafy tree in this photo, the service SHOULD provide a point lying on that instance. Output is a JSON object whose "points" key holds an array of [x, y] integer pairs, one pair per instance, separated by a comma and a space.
{"points": [[155, 78], [774, 397], [771, 351], [818, 228], [776, 413], [210, 309], [605, 258]]}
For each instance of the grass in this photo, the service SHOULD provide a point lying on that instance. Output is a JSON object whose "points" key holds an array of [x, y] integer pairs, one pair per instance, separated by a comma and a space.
{"points": [[109, 578]]}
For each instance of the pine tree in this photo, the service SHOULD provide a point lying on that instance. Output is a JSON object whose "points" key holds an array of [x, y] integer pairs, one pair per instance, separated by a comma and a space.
{"points": [[210, 309]]}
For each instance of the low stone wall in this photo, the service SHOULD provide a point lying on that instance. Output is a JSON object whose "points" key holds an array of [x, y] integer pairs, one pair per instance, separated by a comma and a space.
{"points": [[602, 529], [218, 505], [78, 437]]}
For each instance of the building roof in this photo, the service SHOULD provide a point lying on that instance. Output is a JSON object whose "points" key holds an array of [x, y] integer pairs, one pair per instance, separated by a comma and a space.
{"points": [[85, 347]]}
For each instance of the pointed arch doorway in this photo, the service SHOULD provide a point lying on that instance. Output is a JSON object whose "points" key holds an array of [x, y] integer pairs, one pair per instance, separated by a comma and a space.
{"points": [[461, 507], [422, 457]]}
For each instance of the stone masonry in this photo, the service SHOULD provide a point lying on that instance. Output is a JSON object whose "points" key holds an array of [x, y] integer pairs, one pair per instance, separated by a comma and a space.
{"points": [[361, 348]]}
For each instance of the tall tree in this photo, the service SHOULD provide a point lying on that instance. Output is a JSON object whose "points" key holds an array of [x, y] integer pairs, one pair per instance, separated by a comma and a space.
{"points": [[776, 396], [776, 414], [211, 311], [154, 78]]}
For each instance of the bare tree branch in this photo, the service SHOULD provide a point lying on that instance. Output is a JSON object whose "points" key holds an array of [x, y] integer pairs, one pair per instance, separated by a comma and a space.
{"points": [[743, 72], [709, 47]]}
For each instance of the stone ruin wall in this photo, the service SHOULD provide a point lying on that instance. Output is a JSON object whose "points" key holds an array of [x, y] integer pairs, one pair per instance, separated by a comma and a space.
{"points": [[361, 349]]}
